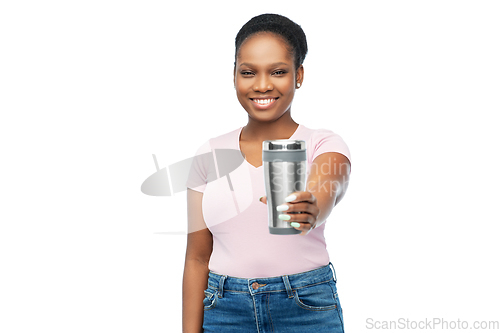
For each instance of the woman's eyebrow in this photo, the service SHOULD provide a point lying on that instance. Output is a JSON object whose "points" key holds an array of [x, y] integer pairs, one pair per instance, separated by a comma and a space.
{"points": [[271, 65]]}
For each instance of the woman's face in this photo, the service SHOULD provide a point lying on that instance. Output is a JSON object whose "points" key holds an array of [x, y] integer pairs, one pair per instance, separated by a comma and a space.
{"points": [[265, 77]]}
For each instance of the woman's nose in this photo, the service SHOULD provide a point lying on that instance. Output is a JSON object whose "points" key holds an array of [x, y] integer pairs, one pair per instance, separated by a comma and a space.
{"points": [[263, 84]]}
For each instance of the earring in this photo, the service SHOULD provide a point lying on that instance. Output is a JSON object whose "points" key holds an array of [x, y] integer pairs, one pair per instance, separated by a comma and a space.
{"points": [[298, 84]]}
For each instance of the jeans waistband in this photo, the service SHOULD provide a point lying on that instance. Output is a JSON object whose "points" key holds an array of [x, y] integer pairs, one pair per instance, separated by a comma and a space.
{"points": [[271, 284]]}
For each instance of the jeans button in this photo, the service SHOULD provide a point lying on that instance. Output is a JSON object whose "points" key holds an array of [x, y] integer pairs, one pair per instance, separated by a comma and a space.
{"points": [[255, 285]]}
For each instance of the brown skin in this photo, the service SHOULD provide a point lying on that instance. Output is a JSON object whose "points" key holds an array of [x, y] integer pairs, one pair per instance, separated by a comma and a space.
{"points": [[198, 251], [264, 68]]}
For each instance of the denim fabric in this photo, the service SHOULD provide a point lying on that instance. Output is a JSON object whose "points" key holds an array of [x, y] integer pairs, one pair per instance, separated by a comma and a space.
{"points": [[303, 302]]}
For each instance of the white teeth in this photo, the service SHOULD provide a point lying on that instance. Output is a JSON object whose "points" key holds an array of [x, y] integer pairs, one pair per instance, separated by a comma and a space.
{"points": [[264, 101]]}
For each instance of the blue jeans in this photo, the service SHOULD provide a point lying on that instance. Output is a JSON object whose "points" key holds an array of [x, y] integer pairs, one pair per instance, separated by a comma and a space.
{"points": [[303, 302]]}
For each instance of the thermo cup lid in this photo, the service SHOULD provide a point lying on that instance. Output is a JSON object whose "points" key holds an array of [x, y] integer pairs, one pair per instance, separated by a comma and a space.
{"points": [[283, 145], [284, 151]]}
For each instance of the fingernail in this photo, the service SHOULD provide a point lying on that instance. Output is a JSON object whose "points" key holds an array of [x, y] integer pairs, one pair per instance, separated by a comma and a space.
{"points": [[260, 199], [295, 224], [281, 208], [284, 217], [291, 197]]}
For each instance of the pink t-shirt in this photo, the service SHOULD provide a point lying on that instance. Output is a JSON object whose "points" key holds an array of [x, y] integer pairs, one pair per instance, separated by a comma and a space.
{"points": [[238, 221]]}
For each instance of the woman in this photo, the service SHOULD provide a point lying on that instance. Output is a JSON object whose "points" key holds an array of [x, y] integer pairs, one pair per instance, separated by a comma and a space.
{"points": [[238, 277]]}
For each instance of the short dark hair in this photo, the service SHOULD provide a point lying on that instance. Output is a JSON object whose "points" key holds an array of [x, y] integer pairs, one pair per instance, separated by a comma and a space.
{"points": [[280, 25]]}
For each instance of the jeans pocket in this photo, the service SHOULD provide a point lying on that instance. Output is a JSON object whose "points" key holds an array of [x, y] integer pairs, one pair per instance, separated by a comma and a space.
{"points": [[210, 298], [319, 297]]}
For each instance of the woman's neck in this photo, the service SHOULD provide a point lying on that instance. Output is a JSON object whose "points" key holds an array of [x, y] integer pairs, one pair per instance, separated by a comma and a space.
{"points": [[283, 128]]}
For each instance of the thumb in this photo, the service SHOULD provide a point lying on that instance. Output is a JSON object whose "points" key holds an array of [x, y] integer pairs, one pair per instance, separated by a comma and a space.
{"points": [[263, 199]]}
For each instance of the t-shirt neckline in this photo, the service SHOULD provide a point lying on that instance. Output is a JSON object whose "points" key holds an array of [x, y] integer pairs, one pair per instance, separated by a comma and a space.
{"points": [[244, 158]]}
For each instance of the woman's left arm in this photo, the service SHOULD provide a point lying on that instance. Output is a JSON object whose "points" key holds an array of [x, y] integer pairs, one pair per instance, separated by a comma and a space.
{"points": [[326, 185]]}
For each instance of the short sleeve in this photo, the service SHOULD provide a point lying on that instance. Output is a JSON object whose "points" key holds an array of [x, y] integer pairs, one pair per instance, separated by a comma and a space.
{"points": [[326, 141], [199, 169]]}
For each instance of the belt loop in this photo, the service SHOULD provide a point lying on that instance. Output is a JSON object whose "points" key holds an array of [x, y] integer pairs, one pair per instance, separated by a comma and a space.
{"points": [[221, 285], [287, 286], [334, 275]]}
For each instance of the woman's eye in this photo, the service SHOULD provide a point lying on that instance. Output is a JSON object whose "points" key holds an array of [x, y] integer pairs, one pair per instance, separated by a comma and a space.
{"points": [[279, 73], [246, 73]]}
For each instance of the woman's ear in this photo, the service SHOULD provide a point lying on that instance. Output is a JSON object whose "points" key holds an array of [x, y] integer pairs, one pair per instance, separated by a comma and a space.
{"points": [[299, 76], [234, 76]]}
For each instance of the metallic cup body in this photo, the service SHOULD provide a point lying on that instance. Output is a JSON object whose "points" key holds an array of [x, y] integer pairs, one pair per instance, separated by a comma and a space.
{"points": [[284, 173]]}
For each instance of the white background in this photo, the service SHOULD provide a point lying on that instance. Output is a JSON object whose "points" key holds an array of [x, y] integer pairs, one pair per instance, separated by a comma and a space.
{"points": [[91, 89]]}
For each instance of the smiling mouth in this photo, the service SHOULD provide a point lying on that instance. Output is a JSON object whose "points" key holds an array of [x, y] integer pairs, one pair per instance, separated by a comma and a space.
{"points": [[263, 102]]}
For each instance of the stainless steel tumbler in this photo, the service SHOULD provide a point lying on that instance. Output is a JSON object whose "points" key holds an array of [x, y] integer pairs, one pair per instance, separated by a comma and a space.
{"points": [[284, 173]]}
